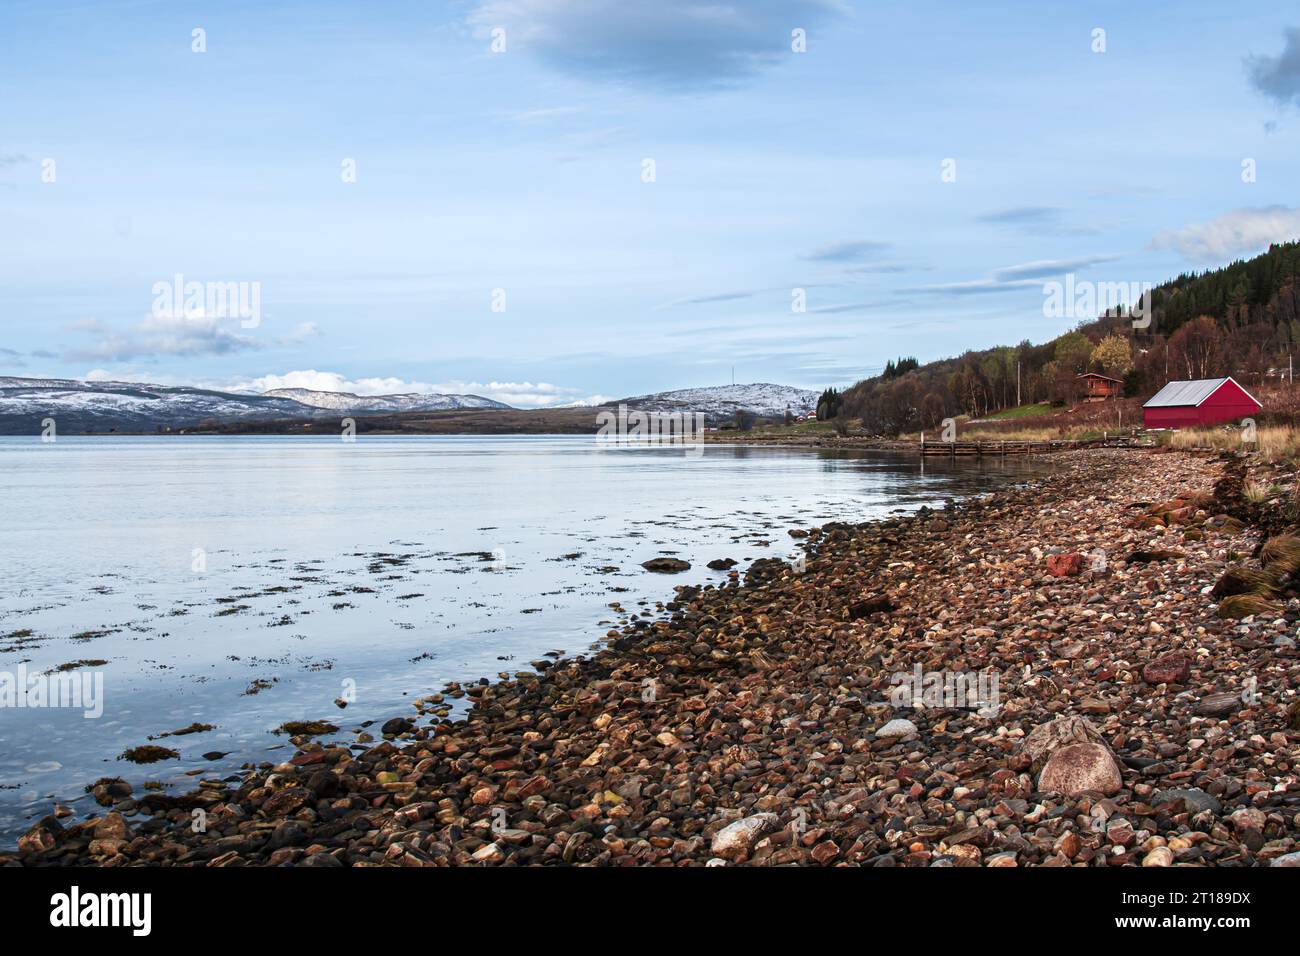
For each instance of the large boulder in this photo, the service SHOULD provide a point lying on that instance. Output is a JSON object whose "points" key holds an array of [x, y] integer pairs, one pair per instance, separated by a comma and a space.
{"points": [[1078, 767], [1061, 732]]}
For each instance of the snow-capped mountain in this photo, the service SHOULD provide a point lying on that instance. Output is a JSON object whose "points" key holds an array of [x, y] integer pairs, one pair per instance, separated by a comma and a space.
{"points": [[412, 402], [100, 407], [80, 407], [722, 402]]}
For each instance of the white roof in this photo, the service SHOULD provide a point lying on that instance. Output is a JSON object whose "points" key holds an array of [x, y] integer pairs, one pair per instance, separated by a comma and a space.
{"points": [[1191, 393]]}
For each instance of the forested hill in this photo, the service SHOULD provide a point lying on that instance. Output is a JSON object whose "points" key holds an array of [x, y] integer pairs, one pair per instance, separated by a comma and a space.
{"points": [[1241, 320]]}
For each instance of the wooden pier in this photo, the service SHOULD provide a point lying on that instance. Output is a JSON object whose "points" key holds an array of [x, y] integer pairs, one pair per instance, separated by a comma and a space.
{"points": [[985, 448]]}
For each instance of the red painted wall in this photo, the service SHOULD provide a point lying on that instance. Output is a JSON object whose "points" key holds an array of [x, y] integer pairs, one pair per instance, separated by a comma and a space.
{"points": [[1228, 403]]}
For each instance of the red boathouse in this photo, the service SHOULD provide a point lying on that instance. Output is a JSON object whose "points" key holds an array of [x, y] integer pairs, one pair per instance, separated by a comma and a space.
{"points": [[1206, 401]]}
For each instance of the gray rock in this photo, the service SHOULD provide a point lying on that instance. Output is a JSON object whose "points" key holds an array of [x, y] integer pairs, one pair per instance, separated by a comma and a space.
{"points": [[898, 727], [1196, 800], [666, 565]]}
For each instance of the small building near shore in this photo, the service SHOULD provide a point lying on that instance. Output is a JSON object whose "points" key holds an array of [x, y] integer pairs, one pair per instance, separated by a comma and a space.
{"points": [[1101, 387], [1205, 401]]}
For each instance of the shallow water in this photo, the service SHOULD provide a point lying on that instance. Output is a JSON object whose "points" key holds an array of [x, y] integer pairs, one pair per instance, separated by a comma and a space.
{"points": [[376, 570]]}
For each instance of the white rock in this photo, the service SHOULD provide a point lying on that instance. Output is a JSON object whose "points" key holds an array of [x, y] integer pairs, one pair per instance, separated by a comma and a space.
{"points": [[898, 727], [737, 837]]}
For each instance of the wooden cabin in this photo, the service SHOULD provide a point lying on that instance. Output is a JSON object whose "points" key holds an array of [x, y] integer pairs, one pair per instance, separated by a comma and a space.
{"points": [[1101, 387]]}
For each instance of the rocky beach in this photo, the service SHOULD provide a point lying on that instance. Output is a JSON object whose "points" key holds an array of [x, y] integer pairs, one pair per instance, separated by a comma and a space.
{"points": [[1130, 618]]}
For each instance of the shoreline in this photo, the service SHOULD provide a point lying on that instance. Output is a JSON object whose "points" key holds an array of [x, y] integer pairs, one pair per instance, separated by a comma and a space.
{"points": [[748, 726]]}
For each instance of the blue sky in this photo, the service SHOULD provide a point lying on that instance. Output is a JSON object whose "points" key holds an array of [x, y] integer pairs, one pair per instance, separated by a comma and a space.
{"points": [[523, 171]]}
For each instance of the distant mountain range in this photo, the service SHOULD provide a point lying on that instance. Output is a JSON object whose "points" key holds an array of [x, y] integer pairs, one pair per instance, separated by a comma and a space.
{"points": [[358, 404], [98, 407], [722, 402], [81, 407]]}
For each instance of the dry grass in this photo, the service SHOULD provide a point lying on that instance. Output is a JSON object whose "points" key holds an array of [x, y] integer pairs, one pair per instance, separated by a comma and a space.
{"points": [[1274, 442], [1256, 493], [1246, 605], [1057, 433]]}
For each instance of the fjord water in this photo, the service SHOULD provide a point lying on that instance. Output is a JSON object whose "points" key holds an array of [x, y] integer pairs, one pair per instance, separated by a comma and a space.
{"points": [[245, 582]]}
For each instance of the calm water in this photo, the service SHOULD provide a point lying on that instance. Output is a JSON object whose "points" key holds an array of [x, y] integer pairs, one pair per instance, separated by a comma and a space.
{"points": [[199, 569]]}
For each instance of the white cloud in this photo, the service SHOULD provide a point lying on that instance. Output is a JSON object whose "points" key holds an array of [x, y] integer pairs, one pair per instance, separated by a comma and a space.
{"points": [[186, 335], [1233, 234], [300, 333]]}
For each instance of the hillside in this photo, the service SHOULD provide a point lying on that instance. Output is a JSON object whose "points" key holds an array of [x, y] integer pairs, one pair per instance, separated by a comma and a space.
{"points": [[92, 407], [721, 403], [1241, 320], [80, 408], [411, 402]]}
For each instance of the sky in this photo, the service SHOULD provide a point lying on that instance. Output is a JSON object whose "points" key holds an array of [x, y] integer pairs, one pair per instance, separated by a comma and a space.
{"points": [[553, 201]]}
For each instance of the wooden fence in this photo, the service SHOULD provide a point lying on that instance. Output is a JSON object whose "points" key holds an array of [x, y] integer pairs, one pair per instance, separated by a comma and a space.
{"points": [[1001, 449]]}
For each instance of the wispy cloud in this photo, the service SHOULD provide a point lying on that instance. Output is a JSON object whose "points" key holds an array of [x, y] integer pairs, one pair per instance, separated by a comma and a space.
{"points": [[1235, 233], [668, 45], [1022, 216], [883, 268], [971, 287], [1036, 220], [715, 297], [1010, 278], [1278, 77], [1043, 268], [157, 336], [851, 250], [851, 307], [544, 114]]}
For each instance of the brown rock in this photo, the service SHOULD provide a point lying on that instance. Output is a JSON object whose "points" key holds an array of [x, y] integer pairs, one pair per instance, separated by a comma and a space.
{"points": [[1078, 767], [1170, 669], [871, 604], [1054, 734], [287, 801], [113, 827], [826, 851], [1064, 565]]}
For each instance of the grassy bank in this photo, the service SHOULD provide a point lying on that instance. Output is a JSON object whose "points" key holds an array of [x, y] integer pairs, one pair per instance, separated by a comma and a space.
{"points": [[1273, 442]]}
